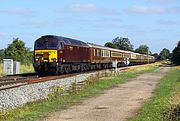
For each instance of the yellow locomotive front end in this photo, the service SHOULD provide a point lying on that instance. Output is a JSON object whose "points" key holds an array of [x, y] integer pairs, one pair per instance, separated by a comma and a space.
{"points": [[46, 56]]}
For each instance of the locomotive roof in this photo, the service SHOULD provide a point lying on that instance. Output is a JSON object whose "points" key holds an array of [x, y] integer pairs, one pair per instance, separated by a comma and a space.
{"points": [[66, 40]]}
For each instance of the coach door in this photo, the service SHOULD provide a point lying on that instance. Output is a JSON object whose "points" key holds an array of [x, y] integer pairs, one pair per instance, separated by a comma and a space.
{"points": [[61, 51]]}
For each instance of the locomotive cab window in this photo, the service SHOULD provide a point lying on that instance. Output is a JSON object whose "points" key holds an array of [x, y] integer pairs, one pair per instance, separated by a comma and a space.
{"points": [[52, 44], [46, 44]]}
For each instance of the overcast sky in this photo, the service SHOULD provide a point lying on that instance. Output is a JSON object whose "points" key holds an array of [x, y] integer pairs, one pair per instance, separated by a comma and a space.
{"points": [[152, 22]]}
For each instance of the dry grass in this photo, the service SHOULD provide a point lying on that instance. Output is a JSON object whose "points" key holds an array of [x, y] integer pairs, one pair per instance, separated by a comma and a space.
{"points": [[144, 67], [177, 67], [23, 69], [27, 68], [1, 69]]}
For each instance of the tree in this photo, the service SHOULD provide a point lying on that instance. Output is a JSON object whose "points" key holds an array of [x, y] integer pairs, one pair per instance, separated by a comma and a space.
{"points": [[164, 54], [110, 44], [176, 54], [157, 57], [18, 52], [123, 43], [1, 55], [143, 49]]}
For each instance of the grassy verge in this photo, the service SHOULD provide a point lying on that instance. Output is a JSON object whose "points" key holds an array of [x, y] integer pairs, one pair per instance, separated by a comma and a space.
{"points": [[23, 69], [1, 69], [165, 105], [38, 110], [26, 69]]}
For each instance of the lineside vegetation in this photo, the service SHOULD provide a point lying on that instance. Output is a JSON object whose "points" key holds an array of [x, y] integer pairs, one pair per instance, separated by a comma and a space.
{"points": [[60, 100], [24, 68], [165, 105]]}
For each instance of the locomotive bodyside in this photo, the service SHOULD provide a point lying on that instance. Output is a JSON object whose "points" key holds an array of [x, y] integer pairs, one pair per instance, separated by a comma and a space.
{"points": [[55, 55]]}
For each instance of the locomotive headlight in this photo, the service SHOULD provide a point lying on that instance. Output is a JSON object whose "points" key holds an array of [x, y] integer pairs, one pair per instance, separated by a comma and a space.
{"points": [[36, 59]]}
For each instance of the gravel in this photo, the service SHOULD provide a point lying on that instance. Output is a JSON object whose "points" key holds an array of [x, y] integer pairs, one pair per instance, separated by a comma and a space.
{"points": [[15, 97]]}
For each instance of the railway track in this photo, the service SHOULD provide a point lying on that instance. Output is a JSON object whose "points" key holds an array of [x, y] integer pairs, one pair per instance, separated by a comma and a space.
{"points": [[9, 82]]}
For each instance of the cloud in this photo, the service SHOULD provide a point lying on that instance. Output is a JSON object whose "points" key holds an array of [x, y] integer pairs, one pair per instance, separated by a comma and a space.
{"points": [[84, 8], [146, 10], [2, 34], [164, 1], [154, 10], [17, 11], [90, 9], [168, 22]]}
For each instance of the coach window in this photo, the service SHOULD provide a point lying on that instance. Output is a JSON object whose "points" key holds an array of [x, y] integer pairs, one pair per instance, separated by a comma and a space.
{"points": [[97, 52], [71, 48], [102, 53], [108, 53], [94, 52]]}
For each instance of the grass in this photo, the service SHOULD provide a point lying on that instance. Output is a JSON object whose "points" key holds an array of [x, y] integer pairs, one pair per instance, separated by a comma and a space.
{"points": [[1, 69], [165, 105], [94, 86], [23, 69], [27, 68]]}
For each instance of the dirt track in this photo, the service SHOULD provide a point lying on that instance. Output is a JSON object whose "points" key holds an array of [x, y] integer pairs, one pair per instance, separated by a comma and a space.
{"points": [[116, 104]]}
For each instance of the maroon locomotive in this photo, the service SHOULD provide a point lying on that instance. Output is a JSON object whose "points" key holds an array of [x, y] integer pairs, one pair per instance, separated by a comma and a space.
{"points": [[58, 55]]}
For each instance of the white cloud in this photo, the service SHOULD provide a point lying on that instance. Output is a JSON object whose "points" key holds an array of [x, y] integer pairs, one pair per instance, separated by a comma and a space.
{"points": [[84, 8], [168, 22], [90, 9], [2, 34], [146, 10], [154, 10], [18, 11], [164, 1]]}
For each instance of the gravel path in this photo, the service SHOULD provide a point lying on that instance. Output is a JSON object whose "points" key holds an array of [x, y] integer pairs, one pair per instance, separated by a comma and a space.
{"points": [[116, 104]]}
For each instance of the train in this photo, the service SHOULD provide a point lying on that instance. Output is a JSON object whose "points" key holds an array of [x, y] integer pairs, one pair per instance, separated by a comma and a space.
{"points": [[60, 55]]}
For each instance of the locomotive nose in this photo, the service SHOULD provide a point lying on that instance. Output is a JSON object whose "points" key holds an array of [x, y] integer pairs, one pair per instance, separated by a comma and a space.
{"points": [[46, 55]]}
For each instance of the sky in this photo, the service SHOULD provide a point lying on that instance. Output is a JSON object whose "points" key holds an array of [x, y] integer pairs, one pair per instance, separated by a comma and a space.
{"points": [[155, 23]]}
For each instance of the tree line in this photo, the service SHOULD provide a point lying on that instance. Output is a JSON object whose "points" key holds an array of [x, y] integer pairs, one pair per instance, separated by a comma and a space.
{"points": [[124, 44], [18, 52]]}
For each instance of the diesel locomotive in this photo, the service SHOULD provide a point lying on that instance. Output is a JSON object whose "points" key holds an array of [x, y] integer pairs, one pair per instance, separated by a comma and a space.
{"points": [[59, 55]]}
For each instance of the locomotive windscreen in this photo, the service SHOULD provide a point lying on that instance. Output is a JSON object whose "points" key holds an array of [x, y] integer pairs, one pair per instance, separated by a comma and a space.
{"points": [[46, 43]]}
